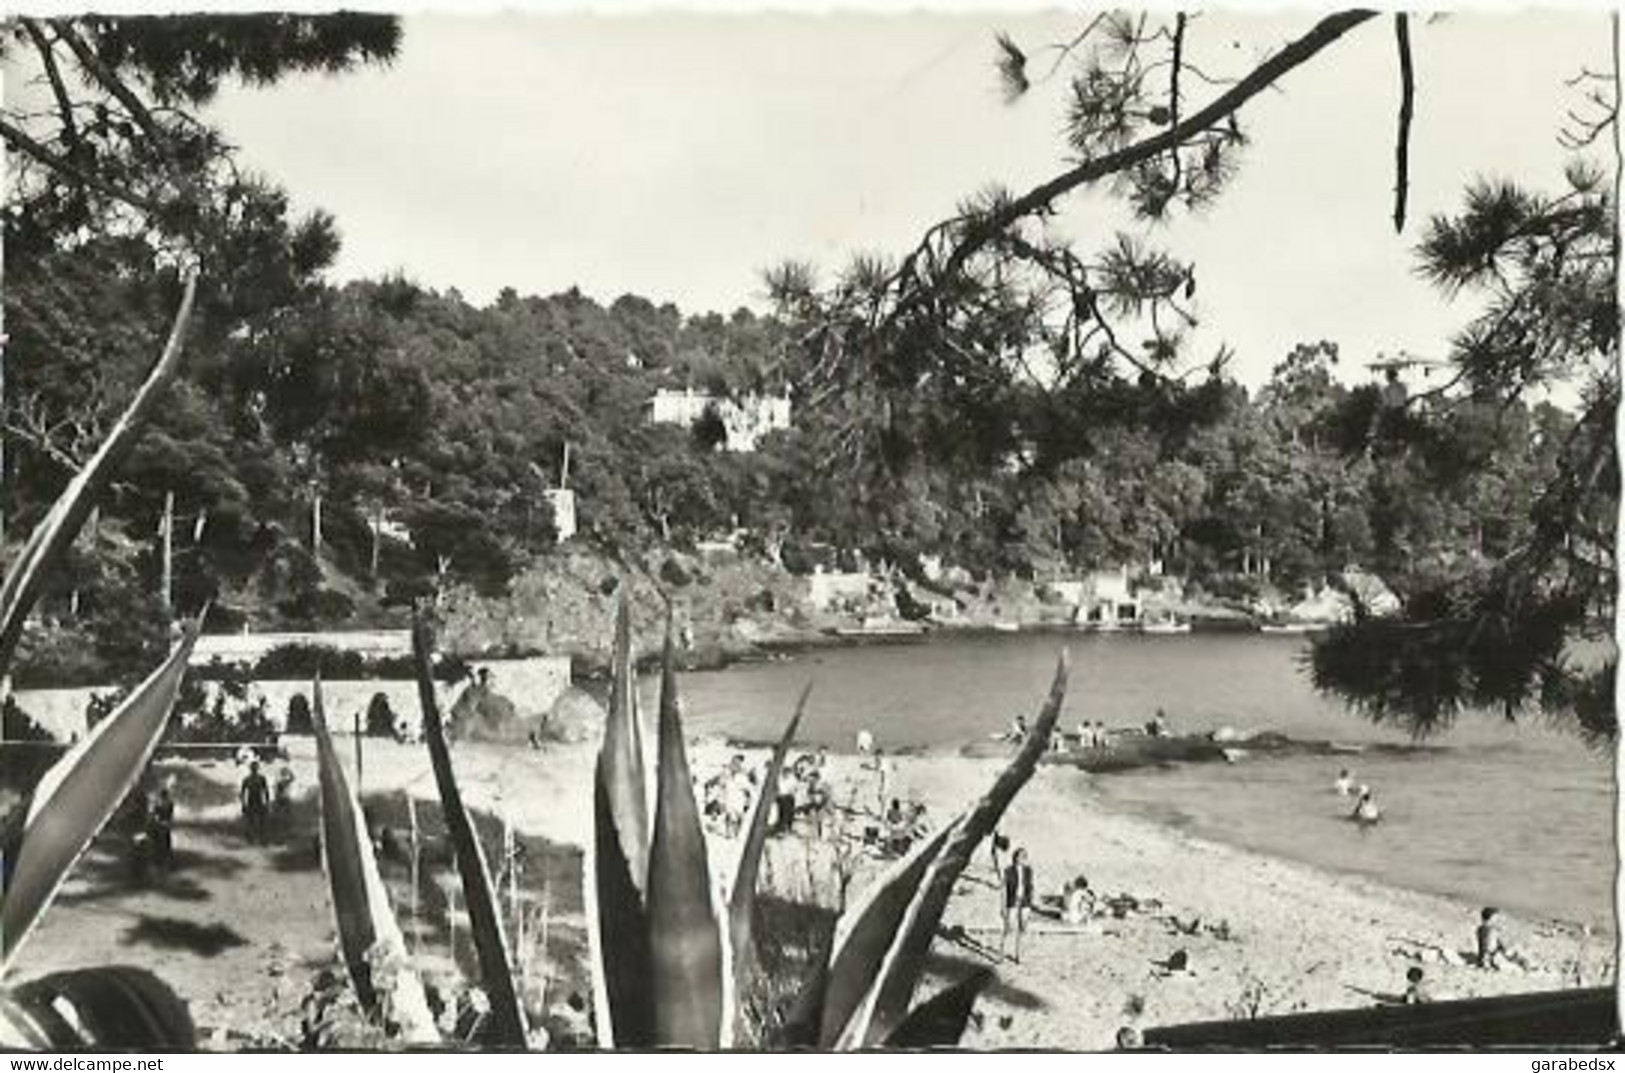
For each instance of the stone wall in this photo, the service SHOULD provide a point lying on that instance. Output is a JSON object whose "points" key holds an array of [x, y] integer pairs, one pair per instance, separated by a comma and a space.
{"points": [[533, 685]]}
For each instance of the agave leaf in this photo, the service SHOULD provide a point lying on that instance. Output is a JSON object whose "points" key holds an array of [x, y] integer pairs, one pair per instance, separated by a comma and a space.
{"points": [[507, 1024], [617, 935], [57, 530], [801, 1020], [81, 791], [940, 1020], [617, 873], [690, 989], [742, 900], [620, 761], [886, 1005], [107, 1007], [865, 932], [367, 928]]}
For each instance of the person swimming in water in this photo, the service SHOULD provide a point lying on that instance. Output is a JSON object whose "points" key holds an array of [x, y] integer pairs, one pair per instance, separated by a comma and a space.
{"points": [[1344, 784], [1366, 812]]}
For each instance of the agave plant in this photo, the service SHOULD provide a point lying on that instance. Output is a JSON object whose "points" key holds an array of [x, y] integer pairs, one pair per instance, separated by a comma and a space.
{"points": [[374, 951], [506, 1027], [666, 957], [105, 1006]]}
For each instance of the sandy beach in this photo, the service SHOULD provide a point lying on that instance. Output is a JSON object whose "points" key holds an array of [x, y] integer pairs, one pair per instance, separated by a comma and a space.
{"points": [[240, 930]]}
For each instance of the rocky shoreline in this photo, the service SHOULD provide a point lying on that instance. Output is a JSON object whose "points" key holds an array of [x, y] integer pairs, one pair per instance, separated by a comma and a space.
{"points": [[740, 610]]}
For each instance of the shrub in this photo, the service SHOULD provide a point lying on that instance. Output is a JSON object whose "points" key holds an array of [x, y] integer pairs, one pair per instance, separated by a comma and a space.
{"points": [[380, 717], [675, 574], [298, 719]]}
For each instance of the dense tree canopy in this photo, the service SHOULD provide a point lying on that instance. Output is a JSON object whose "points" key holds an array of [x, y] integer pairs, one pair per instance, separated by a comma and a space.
{"points": [[1001, 396]]}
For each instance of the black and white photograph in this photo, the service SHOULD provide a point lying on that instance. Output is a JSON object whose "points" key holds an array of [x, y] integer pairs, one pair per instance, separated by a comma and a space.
{"points": [[570, 527]]}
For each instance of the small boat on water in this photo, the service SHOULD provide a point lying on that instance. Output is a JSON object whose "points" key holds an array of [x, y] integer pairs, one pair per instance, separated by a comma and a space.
{"points": [[1295, 627], [1167, 625], [1006, 627]]}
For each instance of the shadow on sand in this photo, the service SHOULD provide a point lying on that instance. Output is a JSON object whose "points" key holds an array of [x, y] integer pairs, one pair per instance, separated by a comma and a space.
{"points": [[174, 933]]}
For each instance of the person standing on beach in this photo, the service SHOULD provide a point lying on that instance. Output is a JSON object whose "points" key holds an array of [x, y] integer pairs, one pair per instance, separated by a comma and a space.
{"points": [[1018, 901], [282, 794], [789, 789], [161, 828], [255, 797], [1492, 948]]}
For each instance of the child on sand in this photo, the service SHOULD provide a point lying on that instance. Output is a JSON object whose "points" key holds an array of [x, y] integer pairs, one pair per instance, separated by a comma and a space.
{"points": [[1077, 901], [1416, 991], [1018, 901]]}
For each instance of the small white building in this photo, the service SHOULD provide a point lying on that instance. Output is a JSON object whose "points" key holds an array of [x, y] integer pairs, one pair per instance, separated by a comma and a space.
{"points": [[1109, 600], [745, 422], [563, 502], [828, 590]]}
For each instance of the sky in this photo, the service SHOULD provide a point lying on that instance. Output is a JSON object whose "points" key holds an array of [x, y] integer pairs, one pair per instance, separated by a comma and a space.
{"points": [[678, 154]]}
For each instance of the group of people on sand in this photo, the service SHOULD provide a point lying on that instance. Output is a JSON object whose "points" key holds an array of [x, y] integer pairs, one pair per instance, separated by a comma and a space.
{"points": [[802, 790], [1490, 951], [728, 795], [1366, 811], [260, 799], [1017, 888]]}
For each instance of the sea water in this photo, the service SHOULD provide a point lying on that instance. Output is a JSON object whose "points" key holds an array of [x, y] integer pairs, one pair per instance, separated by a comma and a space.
{"points": [[1495, 812]]}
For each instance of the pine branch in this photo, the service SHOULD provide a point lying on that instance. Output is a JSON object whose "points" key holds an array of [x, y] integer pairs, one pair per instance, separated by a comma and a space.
{"points": [[104, 76], [19, 140], [1038, 200], [1173, 89], [1407, 98], [53, 74]]}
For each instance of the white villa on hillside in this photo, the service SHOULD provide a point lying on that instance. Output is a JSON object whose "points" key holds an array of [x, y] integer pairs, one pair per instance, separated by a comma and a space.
{"points": [[563, 502], [746, 421]]}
